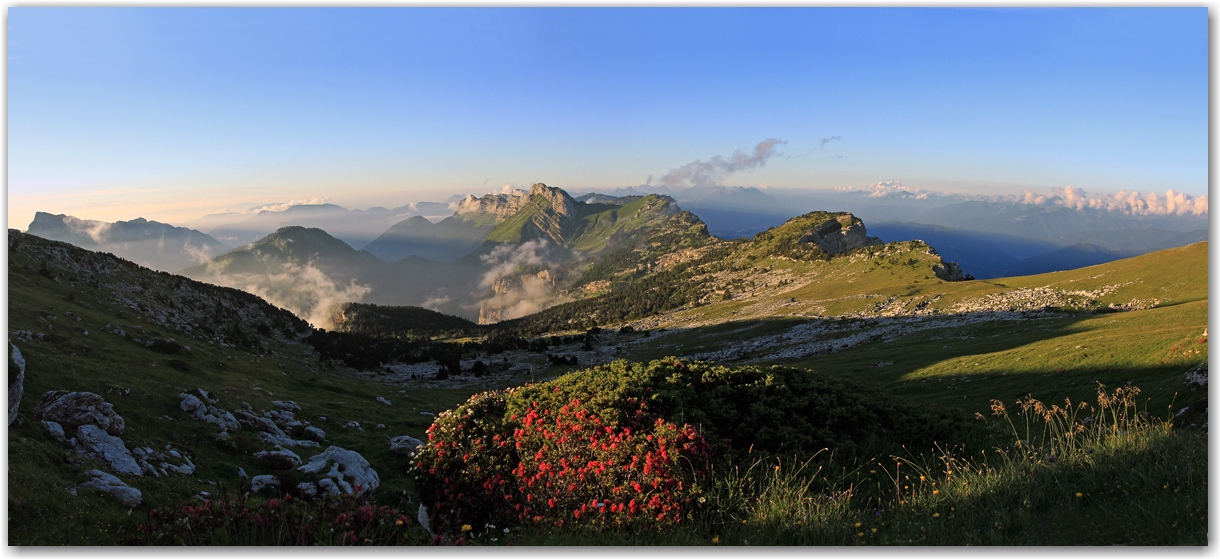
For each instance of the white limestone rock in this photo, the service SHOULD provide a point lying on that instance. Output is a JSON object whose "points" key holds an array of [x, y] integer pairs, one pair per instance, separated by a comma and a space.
{"points": [[264, 482], [17, 386], [56, 430], [279, 459], [270, 432], [194, 405], [93, 442], [313, 434], [287, 406], [346, 468], [126, 495], [74, 409], [307, 490]]}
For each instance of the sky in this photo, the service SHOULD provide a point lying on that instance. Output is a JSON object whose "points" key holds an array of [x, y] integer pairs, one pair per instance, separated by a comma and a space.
{"points": [[174, 113]]}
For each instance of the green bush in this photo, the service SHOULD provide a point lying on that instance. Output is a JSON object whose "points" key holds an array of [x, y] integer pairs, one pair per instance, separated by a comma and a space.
{"points": [[630, 443]]}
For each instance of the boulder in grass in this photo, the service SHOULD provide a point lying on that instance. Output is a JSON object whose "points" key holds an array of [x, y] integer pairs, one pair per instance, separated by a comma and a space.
{"points": [[286, 406], [126, 495], [405, 445], [195, 403], [56, 430], [263, 482], [16, 383], [279, 459], [307, 490], [313, 434], [346, 469], [74, 409], [93, 442]]}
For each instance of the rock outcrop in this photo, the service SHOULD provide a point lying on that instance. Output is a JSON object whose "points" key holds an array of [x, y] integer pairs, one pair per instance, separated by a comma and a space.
{"points": [[16, 374], [499, 205], [840, 235], [279, 459], [198, 404], [1196, 377], [106, 483], [949, 271], [343, 471], [270, 432], [93, 442], [158, 464], [74, 409]]}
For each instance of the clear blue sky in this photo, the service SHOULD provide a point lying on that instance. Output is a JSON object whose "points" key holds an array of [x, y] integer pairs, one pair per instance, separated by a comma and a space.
{"points": [[173, 113]]}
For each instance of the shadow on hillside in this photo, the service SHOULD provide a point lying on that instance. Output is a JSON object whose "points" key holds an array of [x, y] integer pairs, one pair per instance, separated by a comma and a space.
{"points": [[959, 360]]}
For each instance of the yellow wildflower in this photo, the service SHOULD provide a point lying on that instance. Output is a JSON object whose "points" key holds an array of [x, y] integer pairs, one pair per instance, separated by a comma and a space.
{"points": [[715, 540], [936, 515], [466, 528], [1079, 494]]}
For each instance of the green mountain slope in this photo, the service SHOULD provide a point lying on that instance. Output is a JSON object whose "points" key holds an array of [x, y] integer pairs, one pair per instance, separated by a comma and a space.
{"points": [[83, 321], [593, 228]]}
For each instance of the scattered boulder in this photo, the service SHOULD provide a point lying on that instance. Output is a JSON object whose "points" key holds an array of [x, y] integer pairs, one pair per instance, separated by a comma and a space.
{"points": [[93, 442], [106, 483], [314, 434], [270, 432], [405, 445], [261, 482], [307, 490], [241, 473], [285, 419], [346, 469], [158, 464], [1196, 377], [287, 406], [384, 401], [16, 364], [193, 402], [56, 430], [279, 459], [203, 395], [74, 409]]}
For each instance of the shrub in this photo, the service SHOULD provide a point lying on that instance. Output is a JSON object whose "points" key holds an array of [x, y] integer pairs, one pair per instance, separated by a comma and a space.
{"points": [[557, 465], [630, 443]]}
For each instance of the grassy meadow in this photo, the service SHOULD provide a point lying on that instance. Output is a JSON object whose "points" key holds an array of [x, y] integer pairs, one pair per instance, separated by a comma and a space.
{"points": [[1127, 476]]}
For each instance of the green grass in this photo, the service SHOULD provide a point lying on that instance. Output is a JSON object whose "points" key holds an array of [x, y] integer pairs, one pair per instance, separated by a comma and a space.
{"points": [[107, 364], [1145, 486], [1130, 482]]}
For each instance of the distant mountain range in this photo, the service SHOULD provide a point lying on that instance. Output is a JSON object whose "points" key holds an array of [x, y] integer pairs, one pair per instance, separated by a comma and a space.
{"points": [[499, 256], [355, 227], [506, 255], [155, 245]]}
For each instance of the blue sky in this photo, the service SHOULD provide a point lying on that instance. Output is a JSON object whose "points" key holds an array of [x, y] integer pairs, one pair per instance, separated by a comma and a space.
{"points": [[170, 113]]}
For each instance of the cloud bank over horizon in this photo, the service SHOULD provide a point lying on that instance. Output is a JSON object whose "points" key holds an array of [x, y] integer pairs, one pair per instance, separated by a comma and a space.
{"points": [[1132, 203]]}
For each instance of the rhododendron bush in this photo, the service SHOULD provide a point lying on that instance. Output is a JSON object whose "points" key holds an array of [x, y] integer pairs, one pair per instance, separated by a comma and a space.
{"points": [[564, 465], [630, 444]]}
